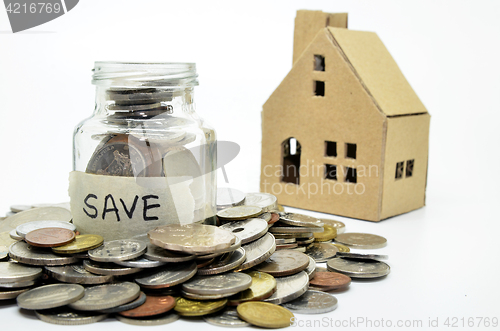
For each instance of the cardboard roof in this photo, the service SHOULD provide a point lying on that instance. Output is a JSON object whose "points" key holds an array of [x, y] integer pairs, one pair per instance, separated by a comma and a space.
{"points": [[378, 71]]}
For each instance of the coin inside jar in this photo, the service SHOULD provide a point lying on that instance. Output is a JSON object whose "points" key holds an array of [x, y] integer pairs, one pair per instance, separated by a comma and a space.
{"points": [[49, 237], [228, 197]]}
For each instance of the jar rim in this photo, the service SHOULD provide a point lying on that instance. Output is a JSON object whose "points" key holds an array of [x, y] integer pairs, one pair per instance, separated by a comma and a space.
{"points": [[144, 74]]}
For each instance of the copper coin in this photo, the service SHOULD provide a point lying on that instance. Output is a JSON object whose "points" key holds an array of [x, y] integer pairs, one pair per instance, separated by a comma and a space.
{"points": [[286, 246], [49, 237], [327, 288], [154, 305], [332, 280], [284, 263], [275, 217]]}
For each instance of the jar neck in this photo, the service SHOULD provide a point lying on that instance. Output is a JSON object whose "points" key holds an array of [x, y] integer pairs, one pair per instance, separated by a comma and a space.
{"points": [[143, 102]]}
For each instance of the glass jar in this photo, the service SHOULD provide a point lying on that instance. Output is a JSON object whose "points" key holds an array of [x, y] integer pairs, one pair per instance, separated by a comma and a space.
{"points": [[144, 158]]}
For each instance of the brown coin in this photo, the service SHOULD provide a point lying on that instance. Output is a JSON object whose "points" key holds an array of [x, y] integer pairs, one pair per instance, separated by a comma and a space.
{"points": [[154, 305], [284, 263], [49, 237], [331, 280]]}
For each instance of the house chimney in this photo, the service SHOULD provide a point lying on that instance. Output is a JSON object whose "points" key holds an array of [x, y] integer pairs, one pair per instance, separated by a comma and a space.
{"points": [[307, 25]]}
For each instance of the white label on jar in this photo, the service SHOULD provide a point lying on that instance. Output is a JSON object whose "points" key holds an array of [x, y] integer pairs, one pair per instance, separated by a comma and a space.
{"points": [[123, 207]]}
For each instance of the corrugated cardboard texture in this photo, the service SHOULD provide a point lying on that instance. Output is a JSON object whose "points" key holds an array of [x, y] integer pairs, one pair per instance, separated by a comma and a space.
{"points": [[379, 72], [307, 25], [407, 139], [345, 114]]}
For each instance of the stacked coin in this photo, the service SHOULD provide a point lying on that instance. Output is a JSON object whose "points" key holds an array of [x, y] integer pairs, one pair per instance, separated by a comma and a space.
{"points": [[250, 263]]}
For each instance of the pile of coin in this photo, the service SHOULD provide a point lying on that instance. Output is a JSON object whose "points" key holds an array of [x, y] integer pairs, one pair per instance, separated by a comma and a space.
{"points": [[257, 267]]}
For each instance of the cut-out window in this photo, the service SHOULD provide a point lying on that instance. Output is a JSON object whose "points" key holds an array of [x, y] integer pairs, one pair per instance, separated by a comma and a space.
{"points": [[351, 175], [399, 170], [319, 88], [350, 151], [331, 148], [409, 168], [291, 151], [330, 171], [319, 63]]}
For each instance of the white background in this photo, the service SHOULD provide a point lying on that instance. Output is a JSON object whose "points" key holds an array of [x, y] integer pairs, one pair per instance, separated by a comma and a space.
{"points": [[444, 257]]}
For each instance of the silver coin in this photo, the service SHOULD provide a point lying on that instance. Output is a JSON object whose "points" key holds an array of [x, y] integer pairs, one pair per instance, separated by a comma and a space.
{"points": [[24, 253], [311, 268], [321, 252], [294, 229], [153, 320], [286, 246], [106, 268], [359, 268], [140, 262], [168, 276], [107, 296], [50, 296], [194, 296], [361, 240], [265, 201], [258, 251], [300, 249], [118, 250], [289, 288], [23, 229], [239, 212], [13, 272], [362, 256], [285, 241], [247, 230], [228, 318], [336, 224], [292, 235], [66, 316], [266, 216], [312, 302], [218, 284], [224, 263], [7, 294], [35, 214], [19, 208], [156, 253], [76, 274], [299, 220], [22, 284], [128, 306], [13, 234], [228, 197], [232, 248]]}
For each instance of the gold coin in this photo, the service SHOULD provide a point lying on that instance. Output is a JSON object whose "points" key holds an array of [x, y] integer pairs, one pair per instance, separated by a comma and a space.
{"points": [[281, 208], [186, 307], [82, 243], [265, 314], [342, 248], [263, 286], [329, 234]]}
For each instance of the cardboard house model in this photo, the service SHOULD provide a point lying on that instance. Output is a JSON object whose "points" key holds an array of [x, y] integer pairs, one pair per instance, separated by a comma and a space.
{"points": [[344, 133]]}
